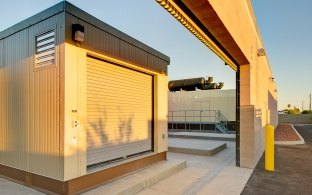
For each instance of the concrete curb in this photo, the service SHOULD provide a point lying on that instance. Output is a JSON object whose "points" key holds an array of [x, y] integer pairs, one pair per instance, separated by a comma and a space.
{"points": [[138, 181], [197, 151], [152, 179], [299, 142]]}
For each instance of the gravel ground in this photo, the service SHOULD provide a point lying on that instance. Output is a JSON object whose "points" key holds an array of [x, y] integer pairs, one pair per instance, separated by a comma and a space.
{"points": [[285, 132], [293, 172]]}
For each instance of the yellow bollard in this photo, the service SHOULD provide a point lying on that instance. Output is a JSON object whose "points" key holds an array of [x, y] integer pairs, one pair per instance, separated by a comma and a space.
{"points": [[269, 148]]}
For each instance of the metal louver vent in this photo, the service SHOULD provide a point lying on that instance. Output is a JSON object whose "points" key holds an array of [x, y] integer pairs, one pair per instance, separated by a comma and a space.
{"points": [[45, 48]]}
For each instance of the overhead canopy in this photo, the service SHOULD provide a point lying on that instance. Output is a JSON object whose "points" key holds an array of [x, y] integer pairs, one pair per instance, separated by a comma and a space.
{"points": [[200, 18]]}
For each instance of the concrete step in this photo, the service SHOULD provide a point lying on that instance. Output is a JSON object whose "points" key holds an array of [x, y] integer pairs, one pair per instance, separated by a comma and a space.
{"points": [[203, 136], [140, 180], [196, 147]]}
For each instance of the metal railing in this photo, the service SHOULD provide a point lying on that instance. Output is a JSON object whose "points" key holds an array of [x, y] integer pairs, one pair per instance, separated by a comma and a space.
{"points": [[186, 120], [222, 122]]}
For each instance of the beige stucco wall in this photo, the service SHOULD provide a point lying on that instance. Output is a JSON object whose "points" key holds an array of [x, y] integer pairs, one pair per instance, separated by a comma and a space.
{"points": [[75, 146], [258, 89]]}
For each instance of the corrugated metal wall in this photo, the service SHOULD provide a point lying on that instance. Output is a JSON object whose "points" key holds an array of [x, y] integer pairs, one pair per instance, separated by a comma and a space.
{"points": [[1, 100], [31, 138], [44, 133], [101, 41], [15, 100], [29, 104]]}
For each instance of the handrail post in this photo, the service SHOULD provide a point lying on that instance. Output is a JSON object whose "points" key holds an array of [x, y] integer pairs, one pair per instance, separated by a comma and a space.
{"points": [[200, 121], [172, 121], [216, 120], [185, 120]]}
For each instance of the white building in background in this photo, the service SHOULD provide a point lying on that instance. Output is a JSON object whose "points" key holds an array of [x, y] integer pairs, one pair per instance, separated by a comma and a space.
{"points": [[188, 109], [222, 100]]}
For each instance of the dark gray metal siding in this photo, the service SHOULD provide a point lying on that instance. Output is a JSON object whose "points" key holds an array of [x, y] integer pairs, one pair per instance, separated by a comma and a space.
{"points": [[1, 53], [54, 10], [100, 37], [73, 10], [109, 41]]}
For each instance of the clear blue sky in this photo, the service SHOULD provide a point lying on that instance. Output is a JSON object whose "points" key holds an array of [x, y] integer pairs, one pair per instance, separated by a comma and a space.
{"points": [[286, 29], [285, 26]]}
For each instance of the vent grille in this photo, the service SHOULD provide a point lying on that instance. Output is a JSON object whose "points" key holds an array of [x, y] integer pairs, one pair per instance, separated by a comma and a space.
{"points": [[45, 48]]}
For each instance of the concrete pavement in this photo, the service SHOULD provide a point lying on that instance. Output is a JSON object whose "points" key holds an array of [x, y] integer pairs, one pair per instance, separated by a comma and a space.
{"points": [[10, 188], [204, 175]]}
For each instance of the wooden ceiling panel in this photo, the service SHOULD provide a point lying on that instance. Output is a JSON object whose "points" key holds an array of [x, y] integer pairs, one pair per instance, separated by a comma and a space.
{"points": [[198, 3], [206, 15]]}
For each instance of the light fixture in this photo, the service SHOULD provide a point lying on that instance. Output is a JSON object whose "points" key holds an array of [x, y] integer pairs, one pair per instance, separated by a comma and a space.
{"points": [[261, 52], [78, 32]]}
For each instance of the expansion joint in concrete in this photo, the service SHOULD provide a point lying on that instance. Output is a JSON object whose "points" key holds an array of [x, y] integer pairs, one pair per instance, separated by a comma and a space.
{"points": [[207, 178]]}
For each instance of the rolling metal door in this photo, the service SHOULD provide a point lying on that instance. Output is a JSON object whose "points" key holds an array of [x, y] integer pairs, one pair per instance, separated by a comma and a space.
{"points": [[119, 111]]}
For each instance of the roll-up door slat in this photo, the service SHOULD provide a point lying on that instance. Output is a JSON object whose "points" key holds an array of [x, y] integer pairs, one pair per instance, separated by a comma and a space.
{"points": [[119, 111]]}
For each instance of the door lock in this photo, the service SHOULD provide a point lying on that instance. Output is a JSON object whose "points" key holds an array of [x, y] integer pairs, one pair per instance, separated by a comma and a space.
{"points": [[76, 123]]}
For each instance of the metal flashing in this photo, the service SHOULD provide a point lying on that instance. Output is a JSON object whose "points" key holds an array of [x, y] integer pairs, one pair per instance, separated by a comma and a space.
{"points": [[79, 13]]}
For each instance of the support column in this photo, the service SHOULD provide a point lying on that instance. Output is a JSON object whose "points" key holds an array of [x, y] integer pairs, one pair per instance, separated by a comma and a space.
{"points": [[247, 122], [237, 128]]}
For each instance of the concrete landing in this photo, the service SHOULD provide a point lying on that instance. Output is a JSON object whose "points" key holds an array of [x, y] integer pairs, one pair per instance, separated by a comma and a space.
{"points": [[195, 147], [203, 136], [140, 180], [204, 175]]}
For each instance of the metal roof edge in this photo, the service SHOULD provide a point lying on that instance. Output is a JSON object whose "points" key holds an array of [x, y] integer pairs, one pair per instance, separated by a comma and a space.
{"points": [[70, 8], [57, 8], [77, 12]]}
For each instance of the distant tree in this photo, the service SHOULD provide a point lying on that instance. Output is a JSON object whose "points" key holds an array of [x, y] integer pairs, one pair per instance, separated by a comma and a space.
{"points": [[306, 112], [292, 111], [288, 106]]}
